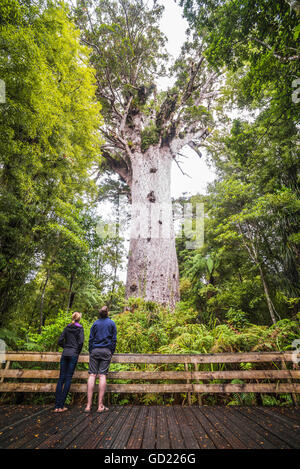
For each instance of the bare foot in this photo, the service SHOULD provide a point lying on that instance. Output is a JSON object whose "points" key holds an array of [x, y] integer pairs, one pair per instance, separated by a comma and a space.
{"points": [[87, 409], [63, 410], [102, 409]]}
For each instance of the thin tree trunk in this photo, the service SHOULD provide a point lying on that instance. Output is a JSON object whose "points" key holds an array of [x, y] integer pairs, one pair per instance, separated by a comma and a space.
{"points": [[266, 290], [152, 267], [42, 301], [115, 260], [70, 294], [254, 257]]}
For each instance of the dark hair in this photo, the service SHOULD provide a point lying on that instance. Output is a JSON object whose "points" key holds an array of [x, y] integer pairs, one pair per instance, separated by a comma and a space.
{"points": [[103, 312]]}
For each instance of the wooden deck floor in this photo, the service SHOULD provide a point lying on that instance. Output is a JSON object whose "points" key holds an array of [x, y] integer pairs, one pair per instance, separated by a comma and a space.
{"points": [[134, 427]]}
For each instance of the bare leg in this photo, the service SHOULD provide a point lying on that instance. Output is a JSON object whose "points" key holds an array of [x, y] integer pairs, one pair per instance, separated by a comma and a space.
{"points": [[102, 388], [90, 390]]}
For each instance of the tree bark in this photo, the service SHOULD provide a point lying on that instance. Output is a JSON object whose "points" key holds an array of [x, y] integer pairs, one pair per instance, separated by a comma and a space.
{"points": [[254, 257], [42, 301], [266, 290], [152, 267], [71, 294]]}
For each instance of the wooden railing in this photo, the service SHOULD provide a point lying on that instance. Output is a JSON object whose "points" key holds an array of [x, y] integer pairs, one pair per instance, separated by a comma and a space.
{"points": [[272, 372]]}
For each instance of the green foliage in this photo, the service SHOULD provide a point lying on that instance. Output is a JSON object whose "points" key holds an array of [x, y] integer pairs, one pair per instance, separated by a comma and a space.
{"points": [[237, 318], [157, 330], [10, 337], [49, 132], [47, 339], [149, 136], [149, 328]]}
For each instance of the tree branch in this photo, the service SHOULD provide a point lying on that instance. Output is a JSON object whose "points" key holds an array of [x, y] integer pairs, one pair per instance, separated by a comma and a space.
{"points": [[119, 166], [276, 54]]}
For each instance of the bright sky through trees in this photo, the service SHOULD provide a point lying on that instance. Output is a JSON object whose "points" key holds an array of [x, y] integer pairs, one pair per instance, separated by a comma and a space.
{"points": [[174, 26]]}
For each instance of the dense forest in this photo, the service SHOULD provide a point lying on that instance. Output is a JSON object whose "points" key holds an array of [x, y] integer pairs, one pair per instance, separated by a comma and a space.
{"points": [[82, 121]]}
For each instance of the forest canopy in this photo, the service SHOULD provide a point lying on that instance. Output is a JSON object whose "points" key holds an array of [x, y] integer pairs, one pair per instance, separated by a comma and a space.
{"points": [[82, 121]]}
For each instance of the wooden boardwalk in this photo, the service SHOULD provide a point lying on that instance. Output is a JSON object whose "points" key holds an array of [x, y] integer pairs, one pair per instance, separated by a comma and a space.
{"points": [[153, 427]]}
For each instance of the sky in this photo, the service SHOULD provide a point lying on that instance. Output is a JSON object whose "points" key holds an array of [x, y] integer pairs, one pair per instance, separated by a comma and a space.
{"points": [[174, 26]]}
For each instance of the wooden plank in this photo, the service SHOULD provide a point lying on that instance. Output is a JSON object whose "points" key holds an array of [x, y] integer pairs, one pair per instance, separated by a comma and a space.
{"points": [[70, 422], [154, 375], [136, 437], [8, 414], [203, 375], [224, 429], [272, 427], [108, 420], [295, 424], [291, 412], [174, 428], [15, 415], [159, 388], [190, 441], [25, 433], [64, 441], [244, 428], [96, 431], [60, 424], [111, 433], [201, 358], [202, 438], [15, 432], [253, 357], [247, 387], [149, 439], [27, 387], [162, 433], [280, 419], [238, 437], [218, 440], [120, 435], [134, 427], [203, 388], [50, 357], [246, 416]]}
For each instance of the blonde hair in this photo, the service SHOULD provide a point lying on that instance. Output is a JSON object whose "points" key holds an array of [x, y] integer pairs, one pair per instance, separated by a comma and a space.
{"points": [[76, 317]]}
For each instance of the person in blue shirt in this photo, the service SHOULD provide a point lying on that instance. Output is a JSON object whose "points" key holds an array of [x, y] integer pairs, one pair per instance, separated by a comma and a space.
{"points": [[102, 345]]}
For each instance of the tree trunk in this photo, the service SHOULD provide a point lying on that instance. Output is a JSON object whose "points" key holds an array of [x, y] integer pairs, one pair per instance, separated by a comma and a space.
{"points": [[42, 302], [152, 267], [71, 294], [266, 290], [115, 258]]}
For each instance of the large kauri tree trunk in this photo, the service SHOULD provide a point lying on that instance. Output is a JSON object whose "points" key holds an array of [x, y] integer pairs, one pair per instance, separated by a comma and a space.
{"points": [[145, 129], [152, 268]]}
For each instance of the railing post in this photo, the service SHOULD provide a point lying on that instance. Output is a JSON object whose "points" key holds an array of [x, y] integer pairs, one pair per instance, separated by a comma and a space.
{"points": [[293, 395], [197, 366], [186, 366], [5, 368]]}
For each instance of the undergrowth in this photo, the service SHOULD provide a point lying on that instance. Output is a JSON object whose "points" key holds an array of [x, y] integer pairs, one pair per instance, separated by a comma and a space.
{"points": [[145, 327]]}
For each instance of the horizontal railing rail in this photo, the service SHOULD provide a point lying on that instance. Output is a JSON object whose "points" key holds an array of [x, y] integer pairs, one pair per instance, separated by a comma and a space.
{"points": [[279, 374]]}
